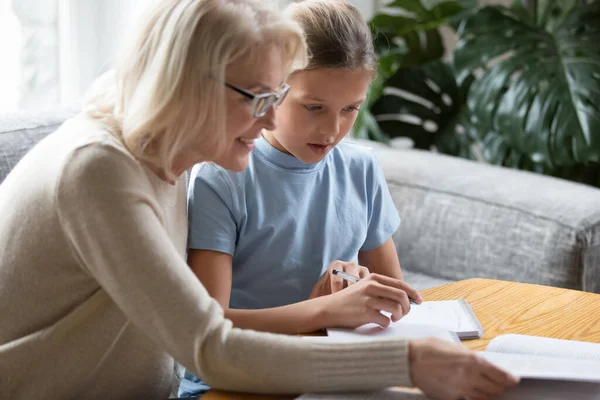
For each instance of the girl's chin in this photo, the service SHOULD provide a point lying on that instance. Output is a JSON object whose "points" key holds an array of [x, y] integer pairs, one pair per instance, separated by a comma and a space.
{"points": [[309, 157]]}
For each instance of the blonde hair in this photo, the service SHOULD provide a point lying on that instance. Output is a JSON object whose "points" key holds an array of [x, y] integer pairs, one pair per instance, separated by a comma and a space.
{"points": [[336, 34], [168, 84]]}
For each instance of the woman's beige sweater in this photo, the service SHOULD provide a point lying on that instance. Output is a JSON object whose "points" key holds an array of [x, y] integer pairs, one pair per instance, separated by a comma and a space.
{"points": [[96, 298]]}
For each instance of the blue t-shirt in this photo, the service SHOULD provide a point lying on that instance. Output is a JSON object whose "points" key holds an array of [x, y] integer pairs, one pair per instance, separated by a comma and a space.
{"points": [[284, 221]]}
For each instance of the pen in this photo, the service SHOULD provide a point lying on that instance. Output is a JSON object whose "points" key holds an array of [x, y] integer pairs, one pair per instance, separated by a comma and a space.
{"points": [[354, 279], [343, 275]]}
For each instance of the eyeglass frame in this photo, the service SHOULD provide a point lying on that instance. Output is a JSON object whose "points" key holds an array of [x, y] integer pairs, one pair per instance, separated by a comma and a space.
{"points": [[279, 97]]}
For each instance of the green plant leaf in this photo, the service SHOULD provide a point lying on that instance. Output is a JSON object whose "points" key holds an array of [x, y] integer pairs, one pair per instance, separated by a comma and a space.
{"points": [[405, 16], [409, 28], [540, 91], [407, 35], [425, 104], [519, 8], [551, 14], [411, 47]]}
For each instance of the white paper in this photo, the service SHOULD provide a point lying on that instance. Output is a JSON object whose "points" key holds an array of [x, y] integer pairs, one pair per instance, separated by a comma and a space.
{"points": [[526, 390], [440, 316], [447, 313], [531, 389], [398, 330], [389, 394], [540, 367], [541, 346], [317, 339]]}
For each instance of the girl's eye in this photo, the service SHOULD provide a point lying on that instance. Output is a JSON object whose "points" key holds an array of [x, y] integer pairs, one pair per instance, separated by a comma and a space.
{"points": [[313, 107], [351, 108]]}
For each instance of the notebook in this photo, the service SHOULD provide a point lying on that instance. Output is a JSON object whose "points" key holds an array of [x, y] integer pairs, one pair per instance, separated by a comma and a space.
{"points": [[375, 332], [550, 369], [455, 316]]}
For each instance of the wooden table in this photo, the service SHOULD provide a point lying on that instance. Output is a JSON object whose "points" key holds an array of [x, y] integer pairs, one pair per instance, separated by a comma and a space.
{"points": [[507, 307]]}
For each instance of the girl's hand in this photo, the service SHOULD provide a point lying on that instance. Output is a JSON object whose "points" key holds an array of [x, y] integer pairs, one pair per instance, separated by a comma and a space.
{"points": [[330, 283], [362, 303], [450, 371]]}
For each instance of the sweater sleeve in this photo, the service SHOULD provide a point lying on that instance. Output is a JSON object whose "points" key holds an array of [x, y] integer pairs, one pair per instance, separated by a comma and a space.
{"points": [[109, 213]]}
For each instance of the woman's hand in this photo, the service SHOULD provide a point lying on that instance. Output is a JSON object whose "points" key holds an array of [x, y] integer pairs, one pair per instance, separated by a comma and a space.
{"points": [[330, 283], [450, 371], [362, 302]]}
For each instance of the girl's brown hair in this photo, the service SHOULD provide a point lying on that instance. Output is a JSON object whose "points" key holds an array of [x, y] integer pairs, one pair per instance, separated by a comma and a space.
{"points": [[336, 34]]}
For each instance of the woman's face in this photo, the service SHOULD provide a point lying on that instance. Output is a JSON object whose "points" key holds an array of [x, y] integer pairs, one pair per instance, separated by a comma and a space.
{"points": [[262, 73]]}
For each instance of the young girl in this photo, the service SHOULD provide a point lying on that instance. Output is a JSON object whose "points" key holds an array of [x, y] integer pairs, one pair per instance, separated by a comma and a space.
{"points": [[261, 238], [264, 241], [269, 236]]}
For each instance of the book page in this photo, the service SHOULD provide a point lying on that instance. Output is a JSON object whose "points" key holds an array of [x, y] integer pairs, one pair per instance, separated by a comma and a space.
{"points": [[541, 346], [539, 367], [530, 389], [533, 389], [389, 394], [399, 329]]}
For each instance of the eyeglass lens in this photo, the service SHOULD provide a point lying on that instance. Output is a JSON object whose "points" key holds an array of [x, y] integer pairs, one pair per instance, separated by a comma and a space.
{"points": [[263, 104]]}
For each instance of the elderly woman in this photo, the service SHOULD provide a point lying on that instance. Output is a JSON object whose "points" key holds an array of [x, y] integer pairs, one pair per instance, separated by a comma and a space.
{"points": [[96, 296]]}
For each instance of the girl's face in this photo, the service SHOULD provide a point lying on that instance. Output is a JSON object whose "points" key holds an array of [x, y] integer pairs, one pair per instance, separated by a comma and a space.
{"points": [[319, 111], [262, 73]]}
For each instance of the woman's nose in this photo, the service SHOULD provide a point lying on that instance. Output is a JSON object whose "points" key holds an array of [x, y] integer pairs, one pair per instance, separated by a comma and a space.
{"points": [[268, 120]]}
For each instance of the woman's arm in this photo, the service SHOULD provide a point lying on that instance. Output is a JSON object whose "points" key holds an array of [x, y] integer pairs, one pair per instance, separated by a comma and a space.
{"points": [[114, 223], [109, 213], [382, 260]]}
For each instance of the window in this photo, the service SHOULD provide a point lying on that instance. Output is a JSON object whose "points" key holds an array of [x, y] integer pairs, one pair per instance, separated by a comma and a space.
{"points": [[10, 48], [52, 52]]}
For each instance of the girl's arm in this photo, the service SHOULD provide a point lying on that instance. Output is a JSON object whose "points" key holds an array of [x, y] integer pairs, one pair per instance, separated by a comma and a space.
{"points": [[350, 308], [382, 260], [214, 269]]}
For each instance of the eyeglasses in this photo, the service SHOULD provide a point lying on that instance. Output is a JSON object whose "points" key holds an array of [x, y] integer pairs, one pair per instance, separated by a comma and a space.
{"points": [[261, 103]]}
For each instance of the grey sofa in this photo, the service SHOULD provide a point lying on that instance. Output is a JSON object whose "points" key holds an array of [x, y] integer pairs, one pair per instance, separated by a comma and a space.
{"points": [[460, 219]]}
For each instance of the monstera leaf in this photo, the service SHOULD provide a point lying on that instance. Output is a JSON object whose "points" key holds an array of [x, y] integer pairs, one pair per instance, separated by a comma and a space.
{"points": [[550, 14], [426, 105], [412, 26], [538, 90], [406, 34]]}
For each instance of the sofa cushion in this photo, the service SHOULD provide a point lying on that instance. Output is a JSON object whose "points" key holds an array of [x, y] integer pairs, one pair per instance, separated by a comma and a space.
{"points": [[462, 219], [20, 131]]}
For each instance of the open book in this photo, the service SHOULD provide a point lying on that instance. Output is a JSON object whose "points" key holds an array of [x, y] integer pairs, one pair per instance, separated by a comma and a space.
{"points": [[545, 358], [455, 316], [550, 369]]}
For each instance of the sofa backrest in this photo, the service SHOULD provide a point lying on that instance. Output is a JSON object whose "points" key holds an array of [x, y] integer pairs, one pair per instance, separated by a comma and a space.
{"points": [[462, 219], [20, 131]]}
